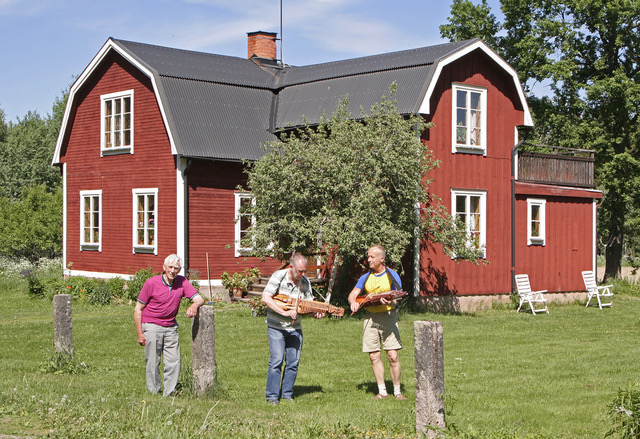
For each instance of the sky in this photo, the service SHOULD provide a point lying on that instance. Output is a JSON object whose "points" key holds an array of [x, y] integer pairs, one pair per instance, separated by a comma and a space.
{"points": [[46, 44]]}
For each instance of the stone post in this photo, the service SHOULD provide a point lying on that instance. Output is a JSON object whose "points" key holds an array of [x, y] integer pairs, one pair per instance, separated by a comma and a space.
{"points": [[203, 356], [62, 324], [429, 363]]}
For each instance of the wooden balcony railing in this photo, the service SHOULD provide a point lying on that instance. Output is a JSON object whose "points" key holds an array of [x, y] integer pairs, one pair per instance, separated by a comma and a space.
{"points": [[559, 166]]}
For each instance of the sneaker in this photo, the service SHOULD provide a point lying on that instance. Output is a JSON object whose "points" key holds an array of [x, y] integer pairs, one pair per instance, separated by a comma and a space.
{"points": [[399, 397], [273, 401], [379, 396]]}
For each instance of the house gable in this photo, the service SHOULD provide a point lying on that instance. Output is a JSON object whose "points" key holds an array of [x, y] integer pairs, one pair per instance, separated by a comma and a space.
{"points": [[150, 168], [425, 106]]}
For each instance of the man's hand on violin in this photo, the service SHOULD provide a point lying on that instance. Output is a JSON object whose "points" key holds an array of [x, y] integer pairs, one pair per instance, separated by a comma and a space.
{"points": [[291, 313]]}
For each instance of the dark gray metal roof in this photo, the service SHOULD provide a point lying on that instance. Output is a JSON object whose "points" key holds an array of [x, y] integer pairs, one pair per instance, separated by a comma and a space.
{"points": [[370, 64], [309, 101], [219, 120], [221, 107], [199, 66]]}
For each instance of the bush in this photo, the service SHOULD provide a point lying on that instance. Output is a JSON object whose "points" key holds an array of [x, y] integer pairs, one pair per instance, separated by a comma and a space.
{"points": [[82, 287], [625, 288], [137, 281], [36, 288], [101, 294], [116, 286], [57, 286], [624, 413]]}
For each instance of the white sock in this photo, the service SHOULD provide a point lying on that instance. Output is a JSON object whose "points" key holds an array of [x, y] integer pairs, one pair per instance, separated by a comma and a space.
{"points": [[382, 390], [396, 390]]}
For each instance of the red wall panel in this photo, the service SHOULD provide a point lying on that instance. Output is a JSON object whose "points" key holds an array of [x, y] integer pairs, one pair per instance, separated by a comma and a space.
{"points": [[568, 249], [212, 186], [151, 166], [490, 173]]}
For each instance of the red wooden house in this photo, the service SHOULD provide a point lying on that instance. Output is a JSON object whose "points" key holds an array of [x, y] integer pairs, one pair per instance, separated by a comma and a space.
{"points": [[153, 140]]}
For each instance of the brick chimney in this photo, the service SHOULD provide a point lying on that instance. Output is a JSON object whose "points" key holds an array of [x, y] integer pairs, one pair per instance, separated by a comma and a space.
{"points": [[262, 45]]}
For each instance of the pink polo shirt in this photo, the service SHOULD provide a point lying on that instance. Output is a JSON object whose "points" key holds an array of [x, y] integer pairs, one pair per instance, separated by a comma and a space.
{"points": [[162, 302]]}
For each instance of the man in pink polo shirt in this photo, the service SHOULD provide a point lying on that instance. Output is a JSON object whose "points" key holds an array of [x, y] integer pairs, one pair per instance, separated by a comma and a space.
{"points": [[155, 317]]}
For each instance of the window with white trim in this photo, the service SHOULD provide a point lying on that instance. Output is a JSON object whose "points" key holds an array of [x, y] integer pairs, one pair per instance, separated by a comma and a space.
{"points": [[536, 221], [243, 222], [145, 225], [91, 220], [117, 123], [469, 119], [469, 209]]}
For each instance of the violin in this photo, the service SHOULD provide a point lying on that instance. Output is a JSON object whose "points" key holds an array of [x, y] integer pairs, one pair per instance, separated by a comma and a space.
{"points": [[374, 299], [307, 306]]}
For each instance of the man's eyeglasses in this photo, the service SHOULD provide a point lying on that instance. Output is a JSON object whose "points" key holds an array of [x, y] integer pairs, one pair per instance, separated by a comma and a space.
{"points": [[174, 267]]}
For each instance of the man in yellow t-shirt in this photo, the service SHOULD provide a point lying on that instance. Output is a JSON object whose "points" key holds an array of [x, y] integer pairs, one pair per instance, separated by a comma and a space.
{"points": [[381, 321]]}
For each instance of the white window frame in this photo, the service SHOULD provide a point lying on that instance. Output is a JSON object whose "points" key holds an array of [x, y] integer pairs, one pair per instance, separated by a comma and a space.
{"points": [[455, 193], [104, 148], [95, 245], [238, 197], [541, 239], [468, 147], [145, 248]]}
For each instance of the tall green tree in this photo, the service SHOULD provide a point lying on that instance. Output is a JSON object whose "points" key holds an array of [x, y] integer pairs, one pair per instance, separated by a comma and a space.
{"points": [[31, 228], [585, 53], [26, 150], [30, 195], [25, 156], [469, 21], [346, 184]]}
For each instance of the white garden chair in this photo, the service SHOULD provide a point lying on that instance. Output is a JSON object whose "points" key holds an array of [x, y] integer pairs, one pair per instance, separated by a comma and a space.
{"points": [[593, 290], [533, 298]]}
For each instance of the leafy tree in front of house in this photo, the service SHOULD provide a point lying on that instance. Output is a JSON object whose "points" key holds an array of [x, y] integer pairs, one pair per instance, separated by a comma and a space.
{"points": [[346, 184]]}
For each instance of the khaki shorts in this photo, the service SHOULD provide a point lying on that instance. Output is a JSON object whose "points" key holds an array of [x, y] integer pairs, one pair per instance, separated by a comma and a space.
{"points": [[381, 329]]}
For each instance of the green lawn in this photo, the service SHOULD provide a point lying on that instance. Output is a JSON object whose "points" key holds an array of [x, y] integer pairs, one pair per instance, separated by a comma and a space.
{"points": [[507, 375]]}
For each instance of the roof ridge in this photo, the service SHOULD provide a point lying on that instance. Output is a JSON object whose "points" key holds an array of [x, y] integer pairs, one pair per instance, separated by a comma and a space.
{"points": [[175, 49]]}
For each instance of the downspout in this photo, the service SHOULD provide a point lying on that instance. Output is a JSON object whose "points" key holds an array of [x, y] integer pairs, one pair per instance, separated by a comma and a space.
{"points": [[514, 176], [416, 242], [186, 215]]}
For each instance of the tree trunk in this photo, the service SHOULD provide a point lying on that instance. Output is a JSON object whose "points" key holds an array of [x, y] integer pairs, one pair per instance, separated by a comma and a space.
{"points": [[613, 252]]}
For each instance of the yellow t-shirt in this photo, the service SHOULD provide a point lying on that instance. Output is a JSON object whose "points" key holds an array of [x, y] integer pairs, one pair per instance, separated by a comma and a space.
{"points": [[378, 283]]}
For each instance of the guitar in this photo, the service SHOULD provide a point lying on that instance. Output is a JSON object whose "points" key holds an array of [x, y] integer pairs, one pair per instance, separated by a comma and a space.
{"points": [[307, 306], [374, 298]]}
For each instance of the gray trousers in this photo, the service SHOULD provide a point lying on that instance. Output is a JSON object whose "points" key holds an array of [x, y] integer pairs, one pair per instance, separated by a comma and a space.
{"points": [[162, 343]]}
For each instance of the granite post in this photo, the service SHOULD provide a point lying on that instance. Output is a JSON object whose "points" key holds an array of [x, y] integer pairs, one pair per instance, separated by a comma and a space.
{"points": [[62, 324], [203, 349], [429, 364]]}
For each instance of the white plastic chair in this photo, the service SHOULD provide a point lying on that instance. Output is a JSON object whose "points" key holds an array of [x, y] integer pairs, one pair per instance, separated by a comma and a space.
{"points": [[596, 291], [530, 297]]}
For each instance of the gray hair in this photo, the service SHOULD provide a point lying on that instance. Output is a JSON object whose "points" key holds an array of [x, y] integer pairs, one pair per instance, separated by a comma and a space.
{"points": [[380, 249], [173, 259], [297, 257]]}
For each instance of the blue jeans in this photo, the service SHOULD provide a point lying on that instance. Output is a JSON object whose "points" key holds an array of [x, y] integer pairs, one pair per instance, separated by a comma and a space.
{"points": [[285, 346]]}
